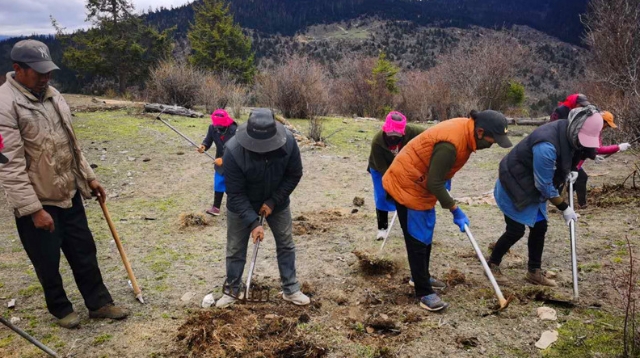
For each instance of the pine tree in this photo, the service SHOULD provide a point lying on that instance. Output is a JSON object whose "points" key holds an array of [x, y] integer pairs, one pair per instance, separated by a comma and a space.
{"points": [[218, 43], [118, 47]]}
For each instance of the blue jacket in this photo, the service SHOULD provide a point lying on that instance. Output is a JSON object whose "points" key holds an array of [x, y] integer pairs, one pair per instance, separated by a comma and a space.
{"points": [[544, 167]]}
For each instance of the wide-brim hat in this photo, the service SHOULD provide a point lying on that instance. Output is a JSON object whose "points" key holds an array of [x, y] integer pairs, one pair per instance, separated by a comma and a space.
{"points": [[261, 133]]}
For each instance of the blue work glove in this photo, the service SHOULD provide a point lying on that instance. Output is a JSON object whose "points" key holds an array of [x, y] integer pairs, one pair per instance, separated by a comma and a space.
{"points": [[447, 185], [460, 219]]}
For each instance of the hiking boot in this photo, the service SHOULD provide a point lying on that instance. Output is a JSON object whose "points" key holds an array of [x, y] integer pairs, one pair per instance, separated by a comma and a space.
{"points": [[382, 234], [433, 303], [538, 278], [435, 283], [213, 211], [225, 301], [110, 311], [72, 320], [497, 274], [297, 298]]}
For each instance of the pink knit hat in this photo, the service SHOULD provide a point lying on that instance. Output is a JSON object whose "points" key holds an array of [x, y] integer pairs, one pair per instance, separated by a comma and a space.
{"points": [[396, 123], [589, 134], [220, 117]]}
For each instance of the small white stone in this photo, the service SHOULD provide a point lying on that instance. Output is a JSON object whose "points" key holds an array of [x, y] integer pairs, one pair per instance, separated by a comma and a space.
{"points": [[12, 303], [547, 314], [14, 320], [547, 339], [187, 296], [208, 301]]}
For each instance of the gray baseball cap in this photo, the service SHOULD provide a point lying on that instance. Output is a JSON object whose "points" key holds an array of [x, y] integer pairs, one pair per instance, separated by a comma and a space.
{"points": [[35, 54]]}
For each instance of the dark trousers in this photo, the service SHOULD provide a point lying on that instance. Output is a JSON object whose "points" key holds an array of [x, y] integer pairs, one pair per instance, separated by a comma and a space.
{"points": [[73, 236], [383, 219], [580, 186], [513, 233], [217, 198], [238, 239], [419, 255]]}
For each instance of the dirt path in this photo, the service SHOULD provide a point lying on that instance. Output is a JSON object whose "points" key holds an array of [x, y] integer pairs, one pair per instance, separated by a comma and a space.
{"points": [[153, 177]]}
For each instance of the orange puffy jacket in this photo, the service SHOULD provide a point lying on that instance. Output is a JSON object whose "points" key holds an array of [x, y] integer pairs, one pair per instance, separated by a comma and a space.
{"points": [[406, 178]]}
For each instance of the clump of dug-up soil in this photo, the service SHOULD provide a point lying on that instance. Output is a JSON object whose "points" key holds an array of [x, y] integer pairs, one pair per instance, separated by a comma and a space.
{"points": [[374, 265], [454, 278], [609, 195], [358, 201], [256, 331], [192, 219]]}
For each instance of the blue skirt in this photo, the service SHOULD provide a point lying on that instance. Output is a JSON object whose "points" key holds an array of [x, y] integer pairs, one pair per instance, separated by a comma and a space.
{"points": [[421, 224], [218, 183], [379, 194]]}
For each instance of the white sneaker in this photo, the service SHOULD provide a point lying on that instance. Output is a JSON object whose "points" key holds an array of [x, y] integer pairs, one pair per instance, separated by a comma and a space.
{"points": [[297, 298], [382, 234], [225, 301]]}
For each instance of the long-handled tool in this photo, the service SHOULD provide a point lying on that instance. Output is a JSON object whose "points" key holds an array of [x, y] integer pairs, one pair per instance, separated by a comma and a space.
{"points": [[182, 135], [123, 254], [384, 242], [501, 300], [574, 256], [251, 294], [26, 336]]}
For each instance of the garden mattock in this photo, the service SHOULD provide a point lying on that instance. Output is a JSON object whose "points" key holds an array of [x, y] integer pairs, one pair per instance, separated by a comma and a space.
{"points": [[123, 255], [26, 336], [393, 220], [501, 300], [182, 135]]}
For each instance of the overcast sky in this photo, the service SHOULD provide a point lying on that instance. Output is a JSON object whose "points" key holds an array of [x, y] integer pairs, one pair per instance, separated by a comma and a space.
{"points": [[26, 17]]}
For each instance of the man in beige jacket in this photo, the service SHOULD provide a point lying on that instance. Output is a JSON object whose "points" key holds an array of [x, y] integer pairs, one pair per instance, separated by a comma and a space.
{"points": [[44, 182]]}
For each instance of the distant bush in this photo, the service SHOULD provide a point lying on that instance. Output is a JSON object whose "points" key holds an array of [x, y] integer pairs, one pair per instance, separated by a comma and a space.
{"points": [[299, 88], [175, 83]]}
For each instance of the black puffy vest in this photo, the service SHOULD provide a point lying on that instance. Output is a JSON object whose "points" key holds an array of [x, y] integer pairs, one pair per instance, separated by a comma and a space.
{"points": [[516, 168]]}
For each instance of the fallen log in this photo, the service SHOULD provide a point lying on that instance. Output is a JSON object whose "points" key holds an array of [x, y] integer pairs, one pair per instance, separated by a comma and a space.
{"points": [[528, 121], [173, 110]]}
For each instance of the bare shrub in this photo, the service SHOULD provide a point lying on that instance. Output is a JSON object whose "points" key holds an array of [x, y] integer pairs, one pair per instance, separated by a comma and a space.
{"points": [[613, 67], [353, 92], [298, 88], [213, 92], [479, 77], [315, 128], [238, 96], [175, 83], [624, 282]]}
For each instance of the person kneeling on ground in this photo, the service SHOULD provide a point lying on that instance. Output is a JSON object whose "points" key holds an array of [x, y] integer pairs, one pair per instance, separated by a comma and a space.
{"points": [[416, 181], [583, 177], [262, 167], [44, 182], [221, 130], [530, 175], [385, 146]]}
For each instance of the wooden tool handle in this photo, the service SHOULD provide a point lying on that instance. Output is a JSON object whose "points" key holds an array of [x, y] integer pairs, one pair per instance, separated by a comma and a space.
{"points": [[123, 254]]}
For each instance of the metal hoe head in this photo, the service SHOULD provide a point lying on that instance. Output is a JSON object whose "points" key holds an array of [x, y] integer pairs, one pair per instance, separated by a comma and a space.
{"points": [[256, 293]]}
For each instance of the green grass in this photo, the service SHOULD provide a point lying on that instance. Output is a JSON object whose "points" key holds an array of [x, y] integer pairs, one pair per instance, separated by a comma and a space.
{"points": [[597, 334], [4, 342], [31, 290], [103, 338]]}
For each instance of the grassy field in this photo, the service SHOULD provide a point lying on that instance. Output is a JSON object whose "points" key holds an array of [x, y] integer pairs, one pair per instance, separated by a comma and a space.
{"points": [[152, 176]]}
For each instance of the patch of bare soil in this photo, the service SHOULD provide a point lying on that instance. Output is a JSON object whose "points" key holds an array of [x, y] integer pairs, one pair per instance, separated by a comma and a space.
{"points": [[319, 222], [374, 265], [614, 195], [249, 331]]}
